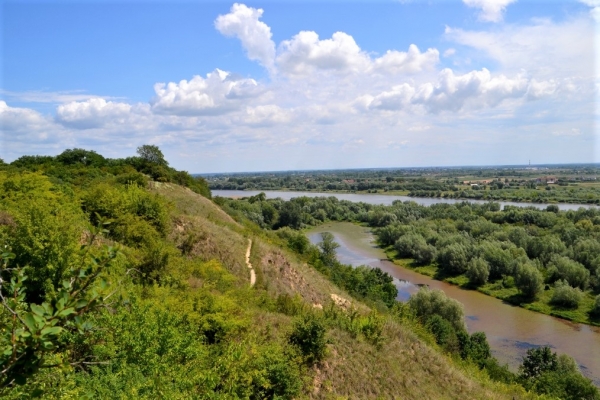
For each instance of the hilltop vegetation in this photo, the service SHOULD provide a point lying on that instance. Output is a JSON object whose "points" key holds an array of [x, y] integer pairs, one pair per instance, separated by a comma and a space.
{"points": [[122, 279]]}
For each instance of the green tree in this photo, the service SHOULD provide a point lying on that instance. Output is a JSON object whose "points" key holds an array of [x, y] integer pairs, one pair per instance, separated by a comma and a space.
{"points": [[537, 361], [453, 259], [574, 273], [566, 296], [328, 248], [596, 307], [152, 154], [478, 271], [529, 280], [426, 303]]}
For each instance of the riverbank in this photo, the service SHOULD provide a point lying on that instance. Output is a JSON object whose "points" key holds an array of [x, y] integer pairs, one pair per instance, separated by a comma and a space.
{"points": [[525, 199], [506, 291], [510, 330], [385, 199]]}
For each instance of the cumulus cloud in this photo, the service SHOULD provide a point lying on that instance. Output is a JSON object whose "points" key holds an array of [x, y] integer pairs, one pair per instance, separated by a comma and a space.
{"points": [[305, 53], [243, 22], [454, 92], [413, 61], [267, 115], [15, 119], [491, 10], [218, 93], [92, 113]]}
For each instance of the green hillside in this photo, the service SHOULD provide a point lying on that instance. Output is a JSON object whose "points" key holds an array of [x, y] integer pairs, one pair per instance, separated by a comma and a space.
{"points": [[122, 279]]}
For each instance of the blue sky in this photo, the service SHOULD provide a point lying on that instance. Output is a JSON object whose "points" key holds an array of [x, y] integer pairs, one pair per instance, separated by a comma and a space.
{"points": [[224, 86]]}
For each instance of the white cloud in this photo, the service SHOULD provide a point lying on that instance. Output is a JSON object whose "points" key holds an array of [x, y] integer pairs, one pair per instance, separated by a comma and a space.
{"points": [[267, 115], [491, 10], [218, 93], [92, 113], [450, 52], [40, 96], [544, 48], [243, 23], [454, 92], [413, 61], [15, 120], [305, 53]]}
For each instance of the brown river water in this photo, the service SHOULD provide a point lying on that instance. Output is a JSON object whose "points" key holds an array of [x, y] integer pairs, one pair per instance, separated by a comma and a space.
{"points": [[510, 330]]}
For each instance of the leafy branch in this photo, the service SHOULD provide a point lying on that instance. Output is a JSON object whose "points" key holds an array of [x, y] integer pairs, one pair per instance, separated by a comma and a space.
{"points": [[31, 332]]}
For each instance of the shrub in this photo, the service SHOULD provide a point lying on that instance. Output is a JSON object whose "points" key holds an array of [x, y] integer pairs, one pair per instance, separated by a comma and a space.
{"points": [[453, 258], [564, 268], [529, 280], [444, 333], [478, 271], [566, 296], [426, 303], [596, 308], [309, 336]]}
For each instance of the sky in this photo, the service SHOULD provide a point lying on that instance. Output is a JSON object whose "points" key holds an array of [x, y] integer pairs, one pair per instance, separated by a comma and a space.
{"points": [[288, 85]]}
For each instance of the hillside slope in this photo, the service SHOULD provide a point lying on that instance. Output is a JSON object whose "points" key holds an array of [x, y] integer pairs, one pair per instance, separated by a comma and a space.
{"points": [[402, 366]]}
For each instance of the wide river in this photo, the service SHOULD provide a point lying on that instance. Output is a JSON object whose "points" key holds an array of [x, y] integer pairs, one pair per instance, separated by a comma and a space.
{"points": [[382, 199], [510, 330]]}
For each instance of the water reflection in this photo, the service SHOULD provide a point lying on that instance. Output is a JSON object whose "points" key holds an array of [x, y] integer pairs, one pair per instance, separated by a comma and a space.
{"points": [[382, 199]]}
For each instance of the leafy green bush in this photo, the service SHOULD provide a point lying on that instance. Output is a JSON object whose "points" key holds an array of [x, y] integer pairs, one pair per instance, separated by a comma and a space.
{"points": [[596, 308], [453, 259], [478, 271], [566, 296], [564, 268], [426, 303], [529, 280], [309, 336]]}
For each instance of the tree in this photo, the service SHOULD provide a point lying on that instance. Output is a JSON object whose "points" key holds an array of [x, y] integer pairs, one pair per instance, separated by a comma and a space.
{"points": [[152, 154], [81, 156], [537, 361], [426, 303], [453, 258], [566, 296], [478, 271], [576, 274], [596, 308], [328, 247], [529, 280]]}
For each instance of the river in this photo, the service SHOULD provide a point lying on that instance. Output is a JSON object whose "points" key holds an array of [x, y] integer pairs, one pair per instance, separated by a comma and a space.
{"points": [[383, 199], [510, 330]]}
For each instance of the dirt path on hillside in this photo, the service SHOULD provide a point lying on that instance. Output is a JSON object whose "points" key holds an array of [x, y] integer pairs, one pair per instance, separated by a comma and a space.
{"points": [[252, 274]]}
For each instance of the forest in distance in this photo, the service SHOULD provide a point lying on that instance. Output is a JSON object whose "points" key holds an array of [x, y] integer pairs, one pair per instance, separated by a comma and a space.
{"points": [[574, 183]]}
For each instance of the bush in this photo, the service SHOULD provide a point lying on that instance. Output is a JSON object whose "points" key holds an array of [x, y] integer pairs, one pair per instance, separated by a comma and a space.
{"points": [[478, 271], [564, 268], [565, 295], [444, 333], [426, 303], [309, 336], [529, 280], [596, 308], [453, 259]]}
